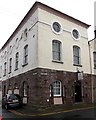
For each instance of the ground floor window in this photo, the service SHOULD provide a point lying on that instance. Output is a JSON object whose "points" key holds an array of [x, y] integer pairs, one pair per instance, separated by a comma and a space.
{"points": [[57, 88]]}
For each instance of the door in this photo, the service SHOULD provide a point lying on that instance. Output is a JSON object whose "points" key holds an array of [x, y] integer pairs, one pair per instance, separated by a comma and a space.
{"points": [[25, 92], [78, 91]]}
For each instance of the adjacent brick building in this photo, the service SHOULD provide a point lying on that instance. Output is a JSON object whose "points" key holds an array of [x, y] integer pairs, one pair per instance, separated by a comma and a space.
{"points": [[47, 59]]}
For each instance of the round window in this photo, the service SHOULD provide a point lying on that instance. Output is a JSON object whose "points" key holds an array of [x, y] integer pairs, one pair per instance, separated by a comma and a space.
{"points": [[75, 34], [56, 27]]}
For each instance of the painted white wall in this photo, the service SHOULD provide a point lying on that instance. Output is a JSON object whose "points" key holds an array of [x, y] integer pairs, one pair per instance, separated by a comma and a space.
{"points": [[40, 36], [45, 43], [92, 49], [18, 46]]}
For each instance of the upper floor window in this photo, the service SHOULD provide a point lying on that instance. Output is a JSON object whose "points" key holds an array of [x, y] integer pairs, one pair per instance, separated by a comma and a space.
{"points": [[56, 49], [10, 49], [16, 60], [26, 55], [94, 56], [25, 34], [56, 27], [5, 54], [17, 43], [0, 71], [5, 67], [75, 34], [10, 65], [57, 88], [76, 55]]}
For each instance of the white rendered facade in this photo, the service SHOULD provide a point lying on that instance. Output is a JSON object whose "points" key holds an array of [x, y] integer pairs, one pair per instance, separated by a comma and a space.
{"points": [[47, 51], [39, 41]]}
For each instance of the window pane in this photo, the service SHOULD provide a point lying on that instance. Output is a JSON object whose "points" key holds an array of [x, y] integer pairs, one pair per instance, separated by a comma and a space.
{"points": [[75, 34], [10, 65], [17, 59], [56, 26], [57, 88], [5, 68], [26, 54], [94, 59], [56, 50], [76, 56]]}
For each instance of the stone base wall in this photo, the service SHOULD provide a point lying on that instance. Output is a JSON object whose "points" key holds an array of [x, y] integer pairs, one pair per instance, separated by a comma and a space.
{"points": [[39, 80]]}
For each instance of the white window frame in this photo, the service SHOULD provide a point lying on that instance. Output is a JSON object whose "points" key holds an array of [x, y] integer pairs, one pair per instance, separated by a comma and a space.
{"points": [[59, 52], [73, 36], [16, 60], [58, 33], [5, 68], [55, 87], [75, 56], [25, 55], [25, 34], [10, 65]]}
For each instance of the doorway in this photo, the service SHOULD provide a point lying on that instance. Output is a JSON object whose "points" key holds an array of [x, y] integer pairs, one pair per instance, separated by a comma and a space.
{"points": [[78, 91], [25, 92]]}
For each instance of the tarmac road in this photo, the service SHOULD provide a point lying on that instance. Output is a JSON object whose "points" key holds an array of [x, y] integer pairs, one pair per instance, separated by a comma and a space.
{"points": [[71, 115], [7, 114]]}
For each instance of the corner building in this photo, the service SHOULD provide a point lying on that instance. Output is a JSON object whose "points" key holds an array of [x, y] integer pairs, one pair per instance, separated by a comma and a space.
{"points": [[46, 60]]}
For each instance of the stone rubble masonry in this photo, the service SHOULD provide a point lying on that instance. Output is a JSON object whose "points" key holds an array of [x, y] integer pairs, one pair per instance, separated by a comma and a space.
{"points": [[39, 81]]}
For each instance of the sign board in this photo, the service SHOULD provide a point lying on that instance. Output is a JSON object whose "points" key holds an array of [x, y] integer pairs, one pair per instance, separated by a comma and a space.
{"points": [[80, 75]]}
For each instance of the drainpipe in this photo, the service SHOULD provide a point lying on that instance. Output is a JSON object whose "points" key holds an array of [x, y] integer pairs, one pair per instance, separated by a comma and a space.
{"points": [[92, 80]]}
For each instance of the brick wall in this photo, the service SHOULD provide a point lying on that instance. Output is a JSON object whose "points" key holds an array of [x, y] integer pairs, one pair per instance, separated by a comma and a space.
{"points": [[39, 81]]}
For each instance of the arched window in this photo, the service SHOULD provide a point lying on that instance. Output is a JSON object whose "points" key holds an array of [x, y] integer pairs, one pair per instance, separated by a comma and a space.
{"points": [[26, 55], [57, 88], [5, 68], [56, 50], [25, 89], [16, 60], [25, 34], [76, 55], [10, 65]]}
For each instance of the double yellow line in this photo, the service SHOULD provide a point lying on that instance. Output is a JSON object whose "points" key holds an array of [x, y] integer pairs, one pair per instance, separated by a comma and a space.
{"points": [[47, 114]]}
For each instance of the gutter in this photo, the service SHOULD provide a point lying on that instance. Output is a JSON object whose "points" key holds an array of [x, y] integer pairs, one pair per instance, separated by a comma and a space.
{"points": [[92, 80]]}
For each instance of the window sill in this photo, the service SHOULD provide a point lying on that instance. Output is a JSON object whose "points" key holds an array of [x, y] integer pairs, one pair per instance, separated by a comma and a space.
{"points": [[77, 65], [57, 96], [24, 64], [16, 69], [9, 72], [56, 61]]}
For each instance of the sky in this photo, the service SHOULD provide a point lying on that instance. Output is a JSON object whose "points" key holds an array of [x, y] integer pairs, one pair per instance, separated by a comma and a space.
{"points": [[13, 11], [95, 14]]}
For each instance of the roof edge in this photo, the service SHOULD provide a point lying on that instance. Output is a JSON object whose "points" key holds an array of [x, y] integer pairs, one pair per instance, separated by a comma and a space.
{"points": [[32, 9]]}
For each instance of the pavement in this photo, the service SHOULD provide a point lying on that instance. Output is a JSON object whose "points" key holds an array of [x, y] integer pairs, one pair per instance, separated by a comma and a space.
{"points": [[29, 110]]}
